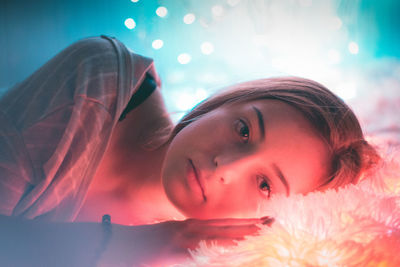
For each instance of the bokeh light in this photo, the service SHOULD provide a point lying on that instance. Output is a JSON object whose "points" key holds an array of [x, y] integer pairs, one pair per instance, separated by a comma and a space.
{"points": [[130, 23], [207, 48], [184, 58], [336, 23], [211, 44], [157, 44], [162, 11], [189, 18], [217, 10], [353, 48]]}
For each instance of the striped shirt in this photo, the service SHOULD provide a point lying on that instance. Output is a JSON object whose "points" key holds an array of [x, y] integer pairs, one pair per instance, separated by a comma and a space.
{"points": [[55, 126]]}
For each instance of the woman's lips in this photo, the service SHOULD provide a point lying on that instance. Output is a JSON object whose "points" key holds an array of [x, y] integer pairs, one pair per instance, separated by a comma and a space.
{"points": [[198, 179]]}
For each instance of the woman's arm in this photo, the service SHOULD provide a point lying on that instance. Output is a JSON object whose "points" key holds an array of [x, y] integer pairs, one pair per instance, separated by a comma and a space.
{"points": [[37, 243]]}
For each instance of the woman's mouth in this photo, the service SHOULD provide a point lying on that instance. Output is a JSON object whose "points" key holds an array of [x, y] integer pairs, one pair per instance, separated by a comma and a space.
{"points": [[196, 175]]}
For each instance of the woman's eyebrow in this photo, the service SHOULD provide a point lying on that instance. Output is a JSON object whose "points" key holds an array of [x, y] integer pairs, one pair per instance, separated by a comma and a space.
{"points": [[281, 177], [260, 122]]}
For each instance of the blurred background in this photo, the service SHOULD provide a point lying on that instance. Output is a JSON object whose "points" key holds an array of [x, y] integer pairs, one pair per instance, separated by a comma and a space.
{"points": [[352, 47]]}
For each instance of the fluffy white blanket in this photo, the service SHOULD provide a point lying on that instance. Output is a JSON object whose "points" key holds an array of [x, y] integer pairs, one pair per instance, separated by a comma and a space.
{"points": [[358, 225]]}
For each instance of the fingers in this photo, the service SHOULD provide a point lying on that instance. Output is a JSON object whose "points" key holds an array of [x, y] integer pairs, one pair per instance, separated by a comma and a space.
{"points": [[221, 235], [187, 234], [267, 220], [231, 232], [221, 232]]}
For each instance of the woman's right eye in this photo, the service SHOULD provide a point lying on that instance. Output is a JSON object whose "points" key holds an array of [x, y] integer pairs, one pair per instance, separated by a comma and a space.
{"points": [[243, 131], [264, 185]]}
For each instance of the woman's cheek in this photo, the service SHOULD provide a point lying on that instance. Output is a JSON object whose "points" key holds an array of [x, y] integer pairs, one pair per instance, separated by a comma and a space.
{"points": [[222, 134]]}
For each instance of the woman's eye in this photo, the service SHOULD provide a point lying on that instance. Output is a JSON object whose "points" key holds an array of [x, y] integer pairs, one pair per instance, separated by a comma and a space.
{"points": [[243, 130], [264, 186]]}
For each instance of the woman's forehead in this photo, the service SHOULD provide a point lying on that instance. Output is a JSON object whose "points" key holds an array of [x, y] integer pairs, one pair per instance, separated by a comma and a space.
{"points": [[266, 103], [271, 109]]}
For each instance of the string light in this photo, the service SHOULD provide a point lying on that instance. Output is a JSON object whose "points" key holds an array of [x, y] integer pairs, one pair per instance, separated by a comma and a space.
{"points": [[130, 23], [336, 23], [217, 10], [189, 18], [162, 11], [184, 58], [353, 48], [207, 48], [320, 47], [157, 44]]}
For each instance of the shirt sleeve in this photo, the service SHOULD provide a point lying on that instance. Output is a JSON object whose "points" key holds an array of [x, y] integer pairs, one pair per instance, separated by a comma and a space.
{"points": [[59, 122]]}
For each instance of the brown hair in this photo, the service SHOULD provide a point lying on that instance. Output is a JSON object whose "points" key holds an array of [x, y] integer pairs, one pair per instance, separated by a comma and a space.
{"points": [[331, 117]]}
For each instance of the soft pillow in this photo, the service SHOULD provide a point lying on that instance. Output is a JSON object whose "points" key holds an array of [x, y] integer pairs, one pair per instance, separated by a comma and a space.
{"points": [[358, 225]]}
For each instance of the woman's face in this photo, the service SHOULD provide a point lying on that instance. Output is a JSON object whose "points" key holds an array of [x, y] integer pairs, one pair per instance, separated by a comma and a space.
{"points": [[225, 163]]}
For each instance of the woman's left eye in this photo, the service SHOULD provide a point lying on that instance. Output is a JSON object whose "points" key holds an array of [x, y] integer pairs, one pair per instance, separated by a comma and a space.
{"points": [[243, 130], [263, 185]]}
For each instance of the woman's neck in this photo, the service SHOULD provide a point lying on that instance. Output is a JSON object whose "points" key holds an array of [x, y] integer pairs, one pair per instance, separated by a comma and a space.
{"points": [[143, 188]]}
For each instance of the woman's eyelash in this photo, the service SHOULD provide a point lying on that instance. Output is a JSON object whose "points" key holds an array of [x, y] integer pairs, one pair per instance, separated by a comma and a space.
{"points": [[264, 185], [243, 130]]}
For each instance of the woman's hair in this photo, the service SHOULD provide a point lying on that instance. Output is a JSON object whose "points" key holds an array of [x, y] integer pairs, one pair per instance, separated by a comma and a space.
{"points": [[331, 117]]}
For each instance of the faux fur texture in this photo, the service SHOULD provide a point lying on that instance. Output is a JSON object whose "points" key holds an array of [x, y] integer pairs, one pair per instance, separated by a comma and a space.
{"points": [[358, 225]]}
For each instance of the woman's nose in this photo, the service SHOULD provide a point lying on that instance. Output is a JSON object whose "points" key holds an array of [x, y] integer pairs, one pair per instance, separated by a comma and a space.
{"points": [[227, 157], [230, 167]]}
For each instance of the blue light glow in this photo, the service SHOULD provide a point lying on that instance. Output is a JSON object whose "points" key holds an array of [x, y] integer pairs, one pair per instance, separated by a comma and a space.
{"points": [[157, 44], [184, 58], [353, 48], [130, 23], [207, 48], [189, 18], [211, 44], [217, 11], [162, 11]]}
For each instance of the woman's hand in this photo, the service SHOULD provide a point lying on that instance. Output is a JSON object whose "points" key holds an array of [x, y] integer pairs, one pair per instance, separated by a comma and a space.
{"points": [[168, 242], [188, 233]]}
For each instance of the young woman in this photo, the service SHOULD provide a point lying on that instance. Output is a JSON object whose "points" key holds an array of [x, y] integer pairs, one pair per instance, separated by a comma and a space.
{"points": [[88, 134]]}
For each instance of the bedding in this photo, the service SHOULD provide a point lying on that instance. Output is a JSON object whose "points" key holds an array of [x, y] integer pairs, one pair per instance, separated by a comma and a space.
{"points": [[357, 225]]}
